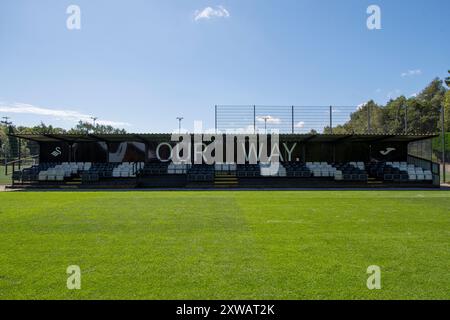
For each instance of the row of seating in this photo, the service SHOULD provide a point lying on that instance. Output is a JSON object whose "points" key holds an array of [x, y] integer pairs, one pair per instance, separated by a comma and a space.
{"points": [[273, 170], [32, 173], [126, 170], [178, 168], [61, 171], [399, 172], [98, 171], [321, 169], [297, 169], [225, 167], [154, 168], [352, 171], [201, 173], [248, 170]]}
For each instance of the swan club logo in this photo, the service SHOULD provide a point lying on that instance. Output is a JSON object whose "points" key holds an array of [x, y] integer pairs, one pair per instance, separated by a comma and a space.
{"points": [[57, 152]]}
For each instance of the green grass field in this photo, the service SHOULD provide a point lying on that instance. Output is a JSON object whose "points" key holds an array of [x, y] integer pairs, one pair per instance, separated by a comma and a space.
{"points": [[225, 245]]}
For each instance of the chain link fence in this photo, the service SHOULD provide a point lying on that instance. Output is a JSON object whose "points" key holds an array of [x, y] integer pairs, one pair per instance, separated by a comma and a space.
{"points": [[16, 154], [442, 157], [364, 119]]}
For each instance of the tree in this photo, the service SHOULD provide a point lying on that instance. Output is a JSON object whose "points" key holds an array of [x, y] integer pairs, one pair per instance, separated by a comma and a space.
{"points": [[447, 110], [9, 146], [432, 100], [421, 114], [86, 127], [394, 114], [359, 120]]}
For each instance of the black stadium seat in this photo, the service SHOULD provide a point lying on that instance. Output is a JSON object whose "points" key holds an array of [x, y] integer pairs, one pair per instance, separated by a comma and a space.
{"points": [[201, 173]]}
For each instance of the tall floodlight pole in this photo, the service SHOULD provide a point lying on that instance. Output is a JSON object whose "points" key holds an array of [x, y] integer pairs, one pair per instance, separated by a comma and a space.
{"points": [[94, 119], [265, 124], [6, 122], [179, 124]]}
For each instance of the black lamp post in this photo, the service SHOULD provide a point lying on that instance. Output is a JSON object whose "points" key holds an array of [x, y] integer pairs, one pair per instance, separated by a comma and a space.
{"points": [[179, 124]]}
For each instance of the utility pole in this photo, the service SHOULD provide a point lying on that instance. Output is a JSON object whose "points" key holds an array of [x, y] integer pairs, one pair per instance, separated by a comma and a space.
{"points": [[94, 119], [6, 122], [179, 124], [265, 123]]}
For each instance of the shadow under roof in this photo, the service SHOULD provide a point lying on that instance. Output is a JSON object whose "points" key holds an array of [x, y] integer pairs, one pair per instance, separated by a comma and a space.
{"points": [[166, 137]]}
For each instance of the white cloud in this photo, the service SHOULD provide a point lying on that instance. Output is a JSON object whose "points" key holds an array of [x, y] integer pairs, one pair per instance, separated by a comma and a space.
{"points": [[411, 73], [269, 119], [247, 130], [57, 114], [362, 105], [394, 94], [208, 13], [300, 124]]}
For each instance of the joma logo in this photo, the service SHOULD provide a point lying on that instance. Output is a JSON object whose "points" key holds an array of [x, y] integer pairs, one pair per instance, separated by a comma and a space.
{"points": [[387, 151]]}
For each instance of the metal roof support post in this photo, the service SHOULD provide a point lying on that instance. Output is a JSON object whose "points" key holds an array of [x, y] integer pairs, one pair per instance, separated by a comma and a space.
{"points": [[331, 119], [406, 119], [292, 115], [254, 119], [107, 152], [19, 155], [70, 151], [215, 117]]}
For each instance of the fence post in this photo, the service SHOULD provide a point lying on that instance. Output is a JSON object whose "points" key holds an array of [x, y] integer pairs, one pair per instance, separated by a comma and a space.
{"points": [[443, 142], [215, 118], [406, 119], [254, 119], [19, 154], [292, 115], [331, 119]]}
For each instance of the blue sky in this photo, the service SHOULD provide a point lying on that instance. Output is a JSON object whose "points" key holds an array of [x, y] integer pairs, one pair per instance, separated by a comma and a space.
{"points": [[140, 64]]}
